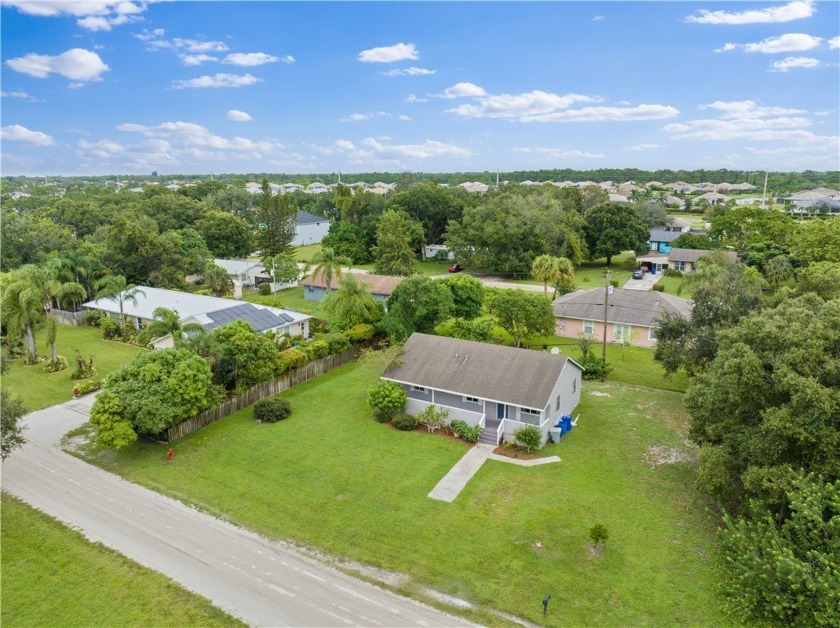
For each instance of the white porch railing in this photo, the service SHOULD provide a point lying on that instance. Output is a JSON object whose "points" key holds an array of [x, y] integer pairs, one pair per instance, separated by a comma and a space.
{"points": [[500, 431]]}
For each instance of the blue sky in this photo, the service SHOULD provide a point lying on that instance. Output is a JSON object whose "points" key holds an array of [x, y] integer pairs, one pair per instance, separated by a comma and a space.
{"points": [[102, 87]]}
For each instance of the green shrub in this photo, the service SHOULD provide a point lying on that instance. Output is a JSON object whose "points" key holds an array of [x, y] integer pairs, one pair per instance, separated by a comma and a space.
{"points": [[360, 333], [614, 283], [92, 317], [658, 287], [265, 289], [60, 364], [110, 328], [272, 410], [672, 272], [337, 342], [433, 417], [383, 416], [83, 388], [289, 359], [317, 349], [596, 368], [388, 398], [586, 279], [598, 533], [528, 437], [404, 422], [469, 433], [84, 368]]}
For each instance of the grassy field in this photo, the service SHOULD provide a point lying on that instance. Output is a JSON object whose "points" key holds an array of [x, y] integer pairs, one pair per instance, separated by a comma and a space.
{"points": [[53, 576], [305, 253], [331, 478], [672, 284], [698, 221], [424, 267], [39, 389], [290, 299]]}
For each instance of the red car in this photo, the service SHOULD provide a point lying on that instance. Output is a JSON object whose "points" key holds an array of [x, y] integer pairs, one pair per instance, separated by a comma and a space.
{"points": [[455, 268]]}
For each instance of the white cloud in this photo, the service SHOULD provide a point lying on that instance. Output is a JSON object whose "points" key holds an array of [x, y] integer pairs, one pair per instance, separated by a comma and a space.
{"points": [[462, 90], [217, 80], [359, 117], [75, 85], [19, 95], [239, 116], [18, 133], [834, 42], [373, 149], [249, 58], [389, 54], [93, 15], [148, 35], [796, 10], [597, 18], [646, 146], [745, 120], [77, 64], [413, 98], [749, 108], [559, 153], [404, 118], [607, 114], [193, 60], [790, 42], [519, 105], [792, 63], [412, 71], [188, 135]]}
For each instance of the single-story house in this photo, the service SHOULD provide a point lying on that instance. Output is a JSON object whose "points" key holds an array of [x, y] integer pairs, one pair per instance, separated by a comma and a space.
{"points": [[825, 204], [242, 270], [618, 198], [208, 311], [631, 314], [683, 260], [380, 286], [499, 388], [712, 198], [431, 250], [660, 239], [309, 229]]}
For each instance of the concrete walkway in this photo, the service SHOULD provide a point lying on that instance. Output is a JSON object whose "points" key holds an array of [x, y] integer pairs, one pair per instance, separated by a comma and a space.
{"points": [[645, 283], [525, 463], [454, 482]]}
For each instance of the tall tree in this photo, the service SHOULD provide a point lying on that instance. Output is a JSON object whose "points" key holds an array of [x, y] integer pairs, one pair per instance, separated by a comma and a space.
{"points": [[418, 303], [467, 295], [522, 314], [328, 265], [545, 268], [612, 229], [393, 252], [778, 270], [218, 281], [351, 304], [226, 235], [168, 322], [276, 220], [116, 287]]}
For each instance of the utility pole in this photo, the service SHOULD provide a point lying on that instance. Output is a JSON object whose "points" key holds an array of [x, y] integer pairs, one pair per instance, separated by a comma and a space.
{"points": [[606, 311], [764, 194]]}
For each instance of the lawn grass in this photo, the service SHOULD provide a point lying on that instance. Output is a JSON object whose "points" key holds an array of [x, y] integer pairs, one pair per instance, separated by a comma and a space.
{"points": [[290, 299], [424, 267], [306, 253], [592, 274], [331, 478], [39, 389], [53, 576], [672, 284]]}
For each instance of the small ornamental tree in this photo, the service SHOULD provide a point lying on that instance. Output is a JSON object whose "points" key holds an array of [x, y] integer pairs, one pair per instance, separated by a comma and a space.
{"points": [[112, 429], [598, 533], [387, 400], [528, 437], [433, 417]]}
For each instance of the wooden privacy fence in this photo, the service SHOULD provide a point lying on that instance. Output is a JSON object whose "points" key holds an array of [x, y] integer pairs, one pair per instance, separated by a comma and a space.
{"points": [[268, 388]]}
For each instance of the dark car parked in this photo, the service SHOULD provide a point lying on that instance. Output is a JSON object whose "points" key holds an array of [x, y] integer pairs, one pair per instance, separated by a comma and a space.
{"points": [[639, 273]]}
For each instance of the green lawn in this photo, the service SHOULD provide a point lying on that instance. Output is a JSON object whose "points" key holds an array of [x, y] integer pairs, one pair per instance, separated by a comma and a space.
{"points": [[424, 267], [53, 576], [39, 389], [330, 477], [305, 253], [672, 284], [592, 274], [698, 221]]}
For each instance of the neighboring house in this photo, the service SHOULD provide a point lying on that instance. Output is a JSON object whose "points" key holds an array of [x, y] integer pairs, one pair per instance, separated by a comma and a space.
{"points": [[380, 286], [500, 388], [815, 194], [208, 311], [431, 250], [310, 229], [242, 270], [712, 198], [631, 314], [817, 205], [677, 224], [683, 260], [660, 239], [618, 198]]}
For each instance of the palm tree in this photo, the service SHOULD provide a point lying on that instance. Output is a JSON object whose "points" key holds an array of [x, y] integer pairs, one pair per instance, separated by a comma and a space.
{"points": [[328, 264], [546, 269], [20, 314], [218, 281], [115, 287], [167, 322], [564, 282], [778, 270], [352, 302]]}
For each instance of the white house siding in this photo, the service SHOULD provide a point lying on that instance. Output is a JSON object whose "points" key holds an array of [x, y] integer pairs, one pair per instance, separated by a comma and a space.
{"points": [[415, 406], [310, 233]]}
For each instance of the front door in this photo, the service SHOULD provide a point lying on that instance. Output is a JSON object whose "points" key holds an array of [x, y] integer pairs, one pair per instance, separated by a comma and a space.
{"points": [[501, 411]]}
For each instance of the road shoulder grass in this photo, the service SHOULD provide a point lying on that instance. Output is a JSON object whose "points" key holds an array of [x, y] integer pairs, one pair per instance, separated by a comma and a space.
{"points": [[53, 576]]}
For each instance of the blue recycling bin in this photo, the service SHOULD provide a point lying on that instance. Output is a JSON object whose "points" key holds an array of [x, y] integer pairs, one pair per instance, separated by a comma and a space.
{"points": [[652, 270]]}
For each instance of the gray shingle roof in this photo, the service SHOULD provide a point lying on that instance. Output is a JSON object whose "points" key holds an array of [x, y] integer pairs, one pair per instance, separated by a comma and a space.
{"points": [[633, 307], [521, 377], [304, 218], [259, 319], [692, 255], [661, 235]]}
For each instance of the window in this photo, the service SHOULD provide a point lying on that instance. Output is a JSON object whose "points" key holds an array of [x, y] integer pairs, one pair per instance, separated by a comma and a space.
{"points": [[529, 411], [472, 399], [679, 266], [310, 289], [574, 386], [557, 406], [588, 327], [621, 331], [652, 333], [418, 389]]}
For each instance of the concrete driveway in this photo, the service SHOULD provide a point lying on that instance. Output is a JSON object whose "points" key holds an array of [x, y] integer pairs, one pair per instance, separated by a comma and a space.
{"points": [[262, 582], [645, 283]]}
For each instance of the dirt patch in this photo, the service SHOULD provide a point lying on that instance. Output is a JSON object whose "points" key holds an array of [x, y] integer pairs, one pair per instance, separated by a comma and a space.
{"points": [[657, 455], [595, 551], [598, 393], [516, 452]]}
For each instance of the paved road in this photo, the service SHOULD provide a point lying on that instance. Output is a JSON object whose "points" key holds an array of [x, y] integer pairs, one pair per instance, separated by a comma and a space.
{"points": [[262, 583], [492, 282]]}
